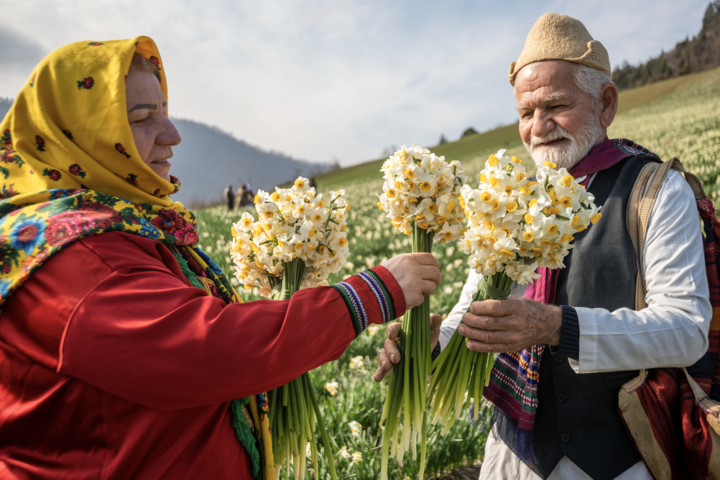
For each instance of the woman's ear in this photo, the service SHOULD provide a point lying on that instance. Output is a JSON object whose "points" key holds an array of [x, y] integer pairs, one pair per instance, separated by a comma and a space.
{"points": [[608, 104]]}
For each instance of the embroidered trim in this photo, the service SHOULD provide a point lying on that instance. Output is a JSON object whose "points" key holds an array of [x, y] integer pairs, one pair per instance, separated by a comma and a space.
{"points": [[383, 296], [354, 306]]}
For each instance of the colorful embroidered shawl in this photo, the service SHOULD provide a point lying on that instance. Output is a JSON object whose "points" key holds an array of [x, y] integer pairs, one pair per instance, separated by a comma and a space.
{"points": [[515, 376], [69, 169]]}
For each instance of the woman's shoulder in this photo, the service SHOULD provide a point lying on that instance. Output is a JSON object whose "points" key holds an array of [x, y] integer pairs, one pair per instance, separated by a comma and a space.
{"points": [[120, 250]]}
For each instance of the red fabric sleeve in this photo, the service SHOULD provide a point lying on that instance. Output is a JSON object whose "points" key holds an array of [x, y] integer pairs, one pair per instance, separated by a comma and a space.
{"points": [[144, 334]]}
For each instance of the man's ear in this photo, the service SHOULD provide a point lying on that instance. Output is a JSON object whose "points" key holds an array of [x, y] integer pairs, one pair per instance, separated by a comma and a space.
{"points": [[608, 104]]}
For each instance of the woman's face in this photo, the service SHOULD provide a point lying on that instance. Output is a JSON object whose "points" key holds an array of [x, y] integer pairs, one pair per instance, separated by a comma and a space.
{"points": [[153, 132]]}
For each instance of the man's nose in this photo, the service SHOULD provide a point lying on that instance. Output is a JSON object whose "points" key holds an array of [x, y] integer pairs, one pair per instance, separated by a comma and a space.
{"points": [[542, 123]]}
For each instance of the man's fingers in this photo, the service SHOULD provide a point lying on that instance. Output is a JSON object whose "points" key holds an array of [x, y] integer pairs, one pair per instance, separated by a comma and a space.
{"points": [[491, 337], [426, 259], [392, 351], [491, 348], [435, 321], [487, 323], [393, 330], [493, 308]]}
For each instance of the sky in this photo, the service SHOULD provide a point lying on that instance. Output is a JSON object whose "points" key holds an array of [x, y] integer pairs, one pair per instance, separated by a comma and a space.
{"points": [[336, 79]]}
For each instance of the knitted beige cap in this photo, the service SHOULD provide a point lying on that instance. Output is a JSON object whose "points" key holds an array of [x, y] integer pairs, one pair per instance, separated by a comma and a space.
{"points": [[559, 37]]}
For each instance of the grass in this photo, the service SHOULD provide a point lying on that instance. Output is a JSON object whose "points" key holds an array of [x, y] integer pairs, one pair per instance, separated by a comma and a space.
{"points": [[678, 117]]}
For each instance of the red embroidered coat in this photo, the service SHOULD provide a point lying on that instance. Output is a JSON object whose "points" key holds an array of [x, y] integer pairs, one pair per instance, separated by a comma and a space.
{"points": [[113, 366]]}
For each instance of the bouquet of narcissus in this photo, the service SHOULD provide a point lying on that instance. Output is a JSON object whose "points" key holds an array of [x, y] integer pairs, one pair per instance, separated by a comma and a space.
{"points": [[515, 225], [298, 240], [422, 198]]}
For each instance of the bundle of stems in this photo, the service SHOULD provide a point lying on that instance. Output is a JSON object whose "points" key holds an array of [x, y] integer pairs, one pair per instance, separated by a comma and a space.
{"points": [[460, 374], [408, 384], [294, 412]]}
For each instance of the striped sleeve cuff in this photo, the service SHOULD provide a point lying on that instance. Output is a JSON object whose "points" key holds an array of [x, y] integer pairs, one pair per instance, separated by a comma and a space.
{"points": [[372, 296], [570, 334]]}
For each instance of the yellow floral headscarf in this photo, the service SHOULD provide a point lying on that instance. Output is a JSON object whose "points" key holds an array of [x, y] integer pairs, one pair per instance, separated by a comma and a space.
{"points": [[69, 169], [69, 126]]}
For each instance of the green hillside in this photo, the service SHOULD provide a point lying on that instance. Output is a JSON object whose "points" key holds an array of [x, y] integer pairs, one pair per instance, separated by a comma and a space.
{"points": [[482, 144]]}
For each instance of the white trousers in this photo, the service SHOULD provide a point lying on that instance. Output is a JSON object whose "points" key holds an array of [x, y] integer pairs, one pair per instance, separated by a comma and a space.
{"points": [[501, 463]]}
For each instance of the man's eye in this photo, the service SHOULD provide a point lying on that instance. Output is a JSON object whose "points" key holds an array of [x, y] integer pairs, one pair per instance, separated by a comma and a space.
{"points": [[141, 121], [526, 115]]}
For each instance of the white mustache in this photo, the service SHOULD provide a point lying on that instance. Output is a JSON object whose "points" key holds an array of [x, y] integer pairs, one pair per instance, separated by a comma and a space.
{"points": [[555, 134]]}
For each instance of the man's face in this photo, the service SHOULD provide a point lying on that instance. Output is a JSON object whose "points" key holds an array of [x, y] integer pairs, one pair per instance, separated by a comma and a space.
{"points": [[558, 121]]}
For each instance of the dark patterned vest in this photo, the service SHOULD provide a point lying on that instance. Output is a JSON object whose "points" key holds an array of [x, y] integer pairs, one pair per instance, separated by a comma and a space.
{"points": [[577, 414]]}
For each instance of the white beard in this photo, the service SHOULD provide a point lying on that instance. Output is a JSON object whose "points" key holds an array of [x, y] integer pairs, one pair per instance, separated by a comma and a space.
{"points": [[570, 153]]}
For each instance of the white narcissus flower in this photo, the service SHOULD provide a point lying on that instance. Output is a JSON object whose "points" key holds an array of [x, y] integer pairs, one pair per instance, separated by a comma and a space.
{"points": [[423, 189], [291, 223], [517, 224], [356, 363], [355, 428]]}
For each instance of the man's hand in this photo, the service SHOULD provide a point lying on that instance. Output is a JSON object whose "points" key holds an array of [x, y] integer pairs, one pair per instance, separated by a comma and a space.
{"points": [[390, 355], [510, 325], [418, 275]]}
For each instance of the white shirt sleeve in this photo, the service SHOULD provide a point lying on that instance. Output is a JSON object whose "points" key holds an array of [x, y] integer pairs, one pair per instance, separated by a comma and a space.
{"points": [[673, 330], [455, 316]]}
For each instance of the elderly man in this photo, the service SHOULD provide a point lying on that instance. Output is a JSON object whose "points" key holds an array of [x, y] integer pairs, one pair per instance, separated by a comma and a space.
{"points": [[582, 340]]}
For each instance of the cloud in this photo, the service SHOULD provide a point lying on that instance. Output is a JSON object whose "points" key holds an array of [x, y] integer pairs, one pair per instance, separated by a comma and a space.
{"points": [[342, 78]]}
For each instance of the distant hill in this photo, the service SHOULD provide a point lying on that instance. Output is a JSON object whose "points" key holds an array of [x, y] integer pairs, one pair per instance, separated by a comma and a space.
{"points": [[209, 159], [702, 52]]}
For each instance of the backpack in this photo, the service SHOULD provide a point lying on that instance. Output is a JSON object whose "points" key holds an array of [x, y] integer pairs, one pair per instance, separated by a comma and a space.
{"points": [[673, 414]]}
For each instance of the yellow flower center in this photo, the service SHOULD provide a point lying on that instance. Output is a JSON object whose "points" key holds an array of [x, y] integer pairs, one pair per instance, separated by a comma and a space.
{"points": [[390, 193], [433, 208], [321, 204], [528, 237], [256, 200], [528, 218], [537, 251], [492, 160], [409, 173], [567, 180], [423, 225], [268, 214], [483, 178], [450, 206], [550, 164], [447, 235], [495, 204], [516, 160], [275, 197], [511, 206], [485, 197], [494, 181], [595, 218], [508, 189], [546, 243], [520, 176], [566, 202], [553, 229], [575, 221], [301, 209], [441, 219], [425, 186], [342, 242], [299, 183], [489, 225]]}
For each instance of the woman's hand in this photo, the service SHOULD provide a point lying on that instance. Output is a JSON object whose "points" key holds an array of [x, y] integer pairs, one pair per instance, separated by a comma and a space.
{"points": [[418, 275], [390, 355]]}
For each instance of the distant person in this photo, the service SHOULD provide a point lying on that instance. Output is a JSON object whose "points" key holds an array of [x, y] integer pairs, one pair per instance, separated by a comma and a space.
{"points": [[249, 194], [124, 351], [229, 194], [240, 196], [312, 183]]}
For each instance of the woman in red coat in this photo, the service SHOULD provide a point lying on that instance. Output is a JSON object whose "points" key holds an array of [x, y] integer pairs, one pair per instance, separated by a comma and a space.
{"points": [[113, 363]]}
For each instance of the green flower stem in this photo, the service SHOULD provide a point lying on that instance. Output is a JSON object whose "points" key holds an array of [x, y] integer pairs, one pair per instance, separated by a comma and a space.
{"points": [[294, 411], [407, 392], [459, 370]]}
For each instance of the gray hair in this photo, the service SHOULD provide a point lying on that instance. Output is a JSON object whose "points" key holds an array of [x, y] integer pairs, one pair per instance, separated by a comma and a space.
{"points": [[591, 81], [142, 64]]}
